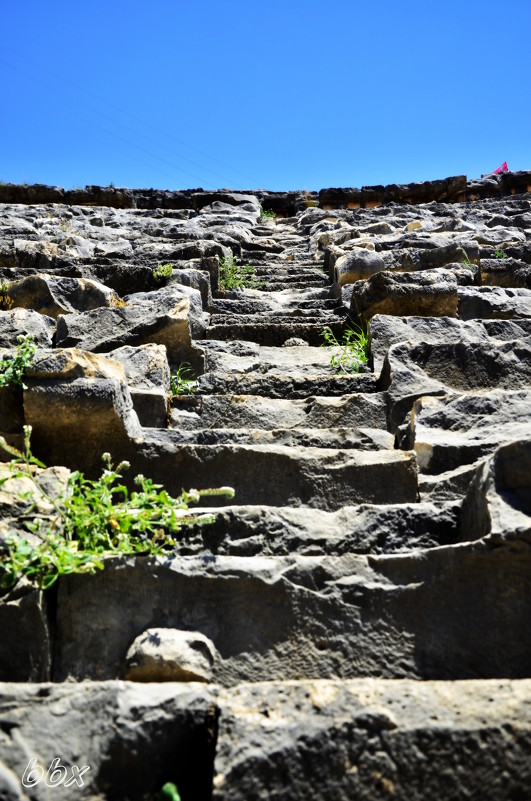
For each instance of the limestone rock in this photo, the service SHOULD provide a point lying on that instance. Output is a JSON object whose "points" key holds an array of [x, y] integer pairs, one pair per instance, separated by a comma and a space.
{"points": [[356, 266], [458, 429], [411, 371], [26, 642], [370, 738], [498, 502], [427, 294], [386, 330], [148, 379], [162, 319], [53, 296], [489, 302], [75, 398], [430, 258], [20, 322], [160, 654], [505, 272], [286, 616], [133, 737]]}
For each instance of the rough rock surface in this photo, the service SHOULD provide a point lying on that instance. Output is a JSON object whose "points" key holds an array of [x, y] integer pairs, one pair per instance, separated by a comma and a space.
{"points": [[360, 610]]}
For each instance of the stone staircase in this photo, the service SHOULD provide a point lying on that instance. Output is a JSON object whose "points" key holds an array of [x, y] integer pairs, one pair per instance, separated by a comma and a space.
{"points": [[355, 623]]}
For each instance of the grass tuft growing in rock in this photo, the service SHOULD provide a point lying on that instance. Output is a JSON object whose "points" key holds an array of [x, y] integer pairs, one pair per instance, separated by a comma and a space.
{"points": [[91, 520], [237, 276], [180, 384], [353, 349]]}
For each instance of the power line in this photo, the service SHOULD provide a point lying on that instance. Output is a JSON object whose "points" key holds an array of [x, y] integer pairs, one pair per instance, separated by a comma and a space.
{"points": [[137, 133]]}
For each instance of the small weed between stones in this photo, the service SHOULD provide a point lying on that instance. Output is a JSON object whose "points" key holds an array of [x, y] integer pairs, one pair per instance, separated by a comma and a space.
{"points": [[180, 384], [237, 276], [90, 520], [13, 368], [353, 349], [162, 273]]}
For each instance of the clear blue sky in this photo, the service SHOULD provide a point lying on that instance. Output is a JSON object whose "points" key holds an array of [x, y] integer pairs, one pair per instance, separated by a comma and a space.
{"points": [[278, 94]]}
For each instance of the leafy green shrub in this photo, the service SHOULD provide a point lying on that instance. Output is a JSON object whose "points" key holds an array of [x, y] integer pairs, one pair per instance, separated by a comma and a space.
{"points": [[13, 368], [93, 519], [500, 254], [180, 384], [353, 349], [237, 276], [162, 272], [268, 214]]}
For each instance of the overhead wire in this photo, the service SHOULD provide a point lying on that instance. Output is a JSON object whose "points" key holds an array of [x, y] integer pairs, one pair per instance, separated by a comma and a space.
{"points": [[39, 80]]}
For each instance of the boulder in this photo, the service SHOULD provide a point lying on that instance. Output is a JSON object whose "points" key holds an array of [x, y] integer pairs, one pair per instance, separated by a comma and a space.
{"points": [[431, 293], [50, 295], [163, 317], [21, 322], [494, 302], [75, 398], [161, 654], [356, 266]]}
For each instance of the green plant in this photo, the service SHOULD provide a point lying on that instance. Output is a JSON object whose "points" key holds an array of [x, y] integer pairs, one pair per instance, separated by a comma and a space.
{"points": [[6, 302], [353, 349], [237, 276], [13, 368], [162, 272], [180, 384], [500, 254], [168, 792], [268, 214], [92, 519]]}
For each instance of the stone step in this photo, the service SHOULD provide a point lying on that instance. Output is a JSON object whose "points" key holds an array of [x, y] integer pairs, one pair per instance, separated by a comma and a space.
{"points": [[285, 385], [323, 478], [284, 315], [365, 439], [315, 412], [266, 333], [289, 269], [248, 306], [375, 738], [282, 531], [283, 617]]}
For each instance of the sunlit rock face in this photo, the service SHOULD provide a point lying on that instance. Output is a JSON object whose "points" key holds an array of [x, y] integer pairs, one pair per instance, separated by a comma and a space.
{"points": [[356, 365]]}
